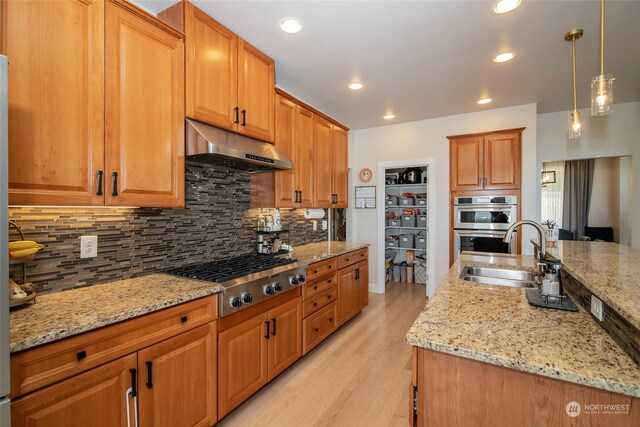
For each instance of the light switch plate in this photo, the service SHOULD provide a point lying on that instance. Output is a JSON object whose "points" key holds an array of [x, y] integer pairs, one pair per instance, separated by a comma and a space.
{"points": [[88, 246], [324, 225], [315, 225], [596, 308]]}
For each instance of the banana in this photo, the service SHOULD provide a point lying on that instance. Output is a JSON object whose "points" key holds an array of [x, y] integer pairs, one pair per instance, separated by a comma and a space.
{"points": [[19, 253], [22, 244]]}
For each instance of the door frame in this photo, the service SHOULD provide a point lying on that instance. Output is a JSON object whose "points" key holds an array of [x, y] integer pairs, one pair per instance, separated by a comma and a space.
{"points": [[430, 163]]}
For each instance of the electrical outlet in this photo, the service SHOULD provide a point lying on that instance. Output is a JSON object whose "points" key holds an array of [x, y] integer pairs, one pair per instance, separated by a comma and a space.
{"points": [[88, 246], [324, 225], [596, 308], [315, 225]]}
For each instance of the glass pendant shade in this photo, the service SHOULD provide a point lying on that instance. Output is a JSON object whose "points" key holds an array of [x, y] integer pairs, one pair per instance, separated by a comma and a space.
{"points": [[601, 94], [575, 125]]}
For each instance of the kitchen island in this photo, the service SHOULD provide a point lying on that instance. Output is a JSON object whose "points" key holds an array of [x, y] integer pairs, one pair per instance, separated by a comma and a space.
{"points": [[484, 356]]}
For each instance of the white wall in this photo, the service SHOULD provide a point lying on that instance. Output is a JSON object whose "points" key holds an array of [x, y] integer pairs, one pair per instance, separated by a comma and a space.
{"points": [[616, 134], [604, 209], [428, 139]]}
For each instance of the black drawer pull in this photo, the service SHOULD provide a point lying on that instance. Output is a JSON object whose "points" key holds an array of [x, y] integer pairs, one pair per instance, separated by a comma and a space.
{"points": [[315, 271], [329, 281], [81, 355], [114, 191], [134, 383], [329, 296], [267, 332], [330, 266], [184, 319], [330, 319], [273, 322], [237, 113], [244, 117], [315, 288], [315, 329], [347, 259], [149, 374], [315, 304]]}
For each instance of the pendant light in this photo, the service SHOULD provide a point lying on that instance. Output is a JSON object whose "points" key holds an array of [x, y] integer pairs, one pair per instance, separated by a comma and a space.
{"points": [[602, 84], [575, 125]]}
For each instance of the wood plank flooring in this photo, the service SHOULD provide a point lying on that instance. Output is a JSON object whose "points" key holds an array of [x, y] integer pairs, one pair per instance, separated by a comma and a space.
{"points": [[357, 377]]}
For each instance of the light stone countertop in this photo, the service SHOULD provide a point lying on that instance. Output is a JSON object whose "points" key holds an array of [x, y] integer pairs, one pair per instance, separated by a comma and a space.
{"points": [[63, 314], [496, 324], [609, 270], [314, 252]]}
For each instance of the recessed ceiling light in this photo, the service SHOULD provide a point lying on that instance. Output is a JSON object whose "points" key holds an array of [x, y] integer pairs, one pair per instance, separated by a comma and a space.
{"points": [[483, 101], [290, 25], [388, 116], [504, 57], [355, 86], [504, 6]]}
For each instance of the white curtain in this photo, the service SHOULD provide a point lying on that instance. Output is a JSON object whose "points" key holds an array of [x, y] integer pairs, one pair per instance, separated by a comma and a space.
{"points": [[552, 194]]}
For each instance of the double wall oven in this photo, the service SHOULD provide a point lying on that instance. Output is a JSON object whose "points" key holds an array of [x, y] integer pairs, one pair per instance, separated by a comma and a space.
{"points": [[480, 223]]}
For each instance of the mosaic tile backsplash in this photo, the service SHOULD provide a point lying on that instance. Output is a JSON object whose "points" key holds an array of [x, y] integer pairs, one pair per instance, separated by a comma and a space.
{"points": [[217, 222]]}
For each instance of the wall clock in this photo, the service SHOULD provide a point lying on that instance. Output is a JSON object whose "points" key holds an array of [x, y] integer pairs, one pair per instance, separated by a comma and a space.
{"points": [[366, 175]]}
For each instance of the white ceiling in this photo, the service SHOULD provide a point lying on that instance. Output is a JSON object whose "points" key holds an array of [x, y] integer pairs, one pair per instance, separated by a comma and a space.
{"points": [[425, 59]]}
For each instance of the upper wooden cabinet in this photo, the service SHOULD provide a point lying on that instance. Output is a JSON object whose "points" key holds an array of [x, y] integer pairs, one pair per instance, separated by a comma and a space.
{"points": [[56, 100], [144, 159], [323, 162], [340, 184], [61, 91], [489, 161], [229, 83]]}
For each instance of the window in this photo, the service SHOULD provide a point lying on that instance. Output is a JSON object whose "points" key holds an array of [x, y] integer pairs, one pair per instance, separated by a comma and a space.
{"points": [[552, 194]]}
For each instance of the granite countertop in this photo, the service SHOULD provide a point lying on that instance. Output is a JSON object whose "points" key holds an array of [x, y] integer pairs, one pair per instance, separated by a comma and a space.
{"points": [[63, 314], [609, 270], [496, 324], [314, 252]]}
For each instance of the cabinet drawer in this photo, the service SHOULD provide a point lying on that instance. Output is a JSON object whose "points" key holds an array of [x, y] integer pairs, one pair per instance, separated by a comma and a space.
{"points": [[311, 289], [321, 268], [321, 300], [352, 257], [39, 367], [319, 326]]}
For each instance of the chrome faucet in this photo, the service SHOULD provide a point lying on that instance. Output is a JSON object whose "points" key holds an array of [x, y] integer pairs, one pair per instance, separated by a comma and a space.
{"points": [[543, 247]]}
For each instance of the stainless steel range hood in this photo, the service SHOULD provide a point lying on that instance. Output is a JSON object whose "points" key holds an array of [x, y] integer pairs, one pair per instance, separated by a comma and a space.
{"points": [[210, 145]]}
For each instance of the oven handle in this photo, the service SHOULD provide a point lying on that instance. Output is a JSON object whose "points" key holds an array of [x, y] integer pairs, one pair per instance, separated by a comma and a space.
{"points": [[476, 208], [473, 233]]}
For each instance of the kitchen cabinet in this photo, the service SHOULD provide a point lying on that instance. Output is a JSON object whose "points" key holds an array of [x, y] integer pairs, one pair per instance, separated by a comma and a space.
{"points": [[353, 291], [168, 357], [144, 155], [255, 351], [453, 390], [229, 83], [323, 163], [90, 146], [56, 100], [177, 380], [97, 398], [488, 161], [340, 185]]}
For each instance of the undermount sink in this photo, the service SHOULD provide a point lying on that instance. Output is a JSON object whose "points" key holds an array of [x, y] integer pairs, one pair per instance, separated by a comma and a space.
{"points": [[499, 277]]}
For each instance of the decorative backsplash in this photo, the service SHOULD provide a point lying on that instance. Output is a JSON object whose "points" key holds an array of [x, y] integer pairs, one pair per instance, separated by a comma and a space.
{"points": [[216, 223]]}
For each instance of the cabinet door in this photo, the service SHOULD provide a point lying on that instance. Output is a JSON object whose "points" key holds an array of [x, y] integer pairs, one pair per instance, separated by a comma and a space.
{"points": [[340, 142], [56, 100], [177, 380], [285, 344], [303, 156], [144, 112], [242, 362], [347, 294], [361, 277], [95, 398], [466, 163], [256, 96], [323, 162], [502, 161], [285, 133], [211, 70]]}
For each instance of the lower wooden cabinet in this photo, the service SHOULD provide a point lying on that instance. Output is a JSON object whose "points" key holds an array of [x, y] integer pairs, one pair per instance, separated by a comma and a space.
{"points": [[177, 380], [167, 379], [353, 290], [98, 397], [319, 325], [255, 351]]}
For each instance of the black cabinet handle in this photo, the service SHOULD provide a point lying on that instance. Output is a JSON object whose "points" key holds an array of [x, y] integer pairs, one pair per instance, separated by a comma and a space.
{"points": [[315, 304], [267, 330], [357, 273], [184, 319], [100, 174], [329, 281], [149, 374], [300, 198], [315, 288], [244, 117], [237, 113], [330, 319], [329, 266], [134, 382], [273, 323], [81, 355], [114, 192], [329, 296], [315, 329], [315, 271]]}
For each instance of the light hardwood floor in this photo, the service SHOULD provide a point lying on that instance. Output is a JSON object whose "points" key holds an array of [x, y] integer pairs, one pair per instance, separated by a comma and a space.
{"points": [[357, 377]]}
